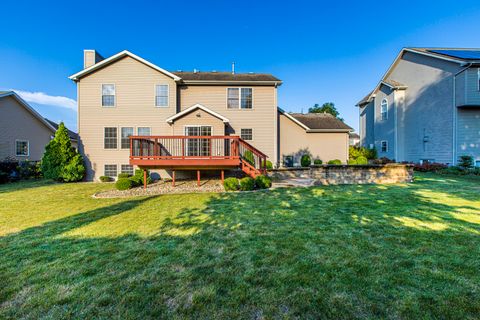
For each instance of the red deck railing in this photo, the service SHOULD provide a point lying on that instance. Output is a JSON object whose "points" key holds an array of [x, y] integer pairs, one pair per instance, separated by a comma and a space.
{"points": [[195, 152]]}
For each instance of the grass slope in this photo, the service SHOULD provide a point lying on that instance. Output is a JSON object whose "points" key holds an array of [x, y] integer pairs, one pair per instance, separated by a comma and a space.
{"points": [[385, 251]]}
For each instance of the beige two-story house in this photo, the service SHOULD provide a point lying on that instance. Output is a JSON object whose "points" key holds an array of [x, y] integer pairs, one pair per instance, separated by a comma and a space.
{"points": [[133, 113]]}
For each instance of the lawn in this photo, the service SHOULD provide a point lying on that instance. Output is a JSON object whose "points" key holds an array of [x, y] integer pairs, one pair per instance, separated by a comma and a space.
{"points": [[372, 251]]}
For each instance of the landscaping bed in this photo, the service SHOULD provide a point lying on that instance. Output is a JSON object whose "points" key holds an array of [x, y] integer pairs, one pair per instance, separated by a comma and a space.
{"points": [[165, 187]]}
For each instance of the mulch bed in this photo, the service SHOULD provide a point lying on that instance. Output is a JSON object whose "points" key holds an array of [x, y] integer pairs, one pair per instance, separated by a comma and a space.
{"points": [[163, 187]]}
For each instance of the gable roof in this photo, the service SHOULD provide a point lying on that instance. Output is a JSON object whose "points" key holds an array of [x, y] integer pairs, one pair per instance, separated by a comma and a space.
{"points": [[317, 122], [120, 55], [27, 107], [194, 107], [192, 77], [71, 134]]}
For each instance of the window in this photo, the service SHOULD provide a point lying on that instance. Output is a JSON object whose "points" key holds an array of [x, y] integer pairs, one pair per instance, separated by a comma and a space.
{"points": [[384, 146], [108, 95], [246, 134], [240, 98], [126, 133], [110, 138], [384, 109], [22, 148], [161, 95], [143, 131], [233, 98], [127, 168], [110, 170], [477, 163], [478, 79]]}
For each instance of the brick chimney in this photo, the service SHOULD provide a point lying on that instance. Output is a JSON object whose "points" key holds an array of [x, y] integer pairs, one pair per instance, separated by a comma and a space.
{"points": [[91, 57]]}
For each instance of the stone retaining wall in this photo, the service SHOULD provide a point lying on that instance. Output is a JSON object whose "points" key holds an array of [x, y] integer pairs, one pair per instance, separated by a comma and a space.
{"points": [[348, 174]]}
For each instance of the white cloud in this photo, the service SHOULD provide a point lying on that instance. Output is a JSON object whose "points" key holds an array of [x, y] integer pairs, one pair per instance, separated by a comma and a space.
{"points": [[43, 98]]}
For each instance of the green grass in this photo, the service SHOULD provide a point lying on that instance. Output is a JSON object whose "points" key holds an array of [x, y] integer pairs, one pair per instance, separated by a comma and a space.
{"points": [[376, 251]]}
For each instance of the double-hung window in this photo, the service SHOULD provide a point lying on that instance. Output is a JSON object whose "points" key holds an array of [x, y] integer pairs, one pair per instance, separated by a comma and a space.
{"points": [[110, 170], [126, 133], [110, 138], [127, 168], [22, 148], [240, 98], [384, 109], [384, 146], [246, 134], [143, 131], [161, 95], [108, 95]]}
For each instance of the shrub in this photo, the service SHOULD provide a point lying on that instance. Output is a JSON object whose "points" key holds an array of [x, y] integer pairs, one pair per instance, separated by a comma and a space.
{"points": [[383, 160], [123, 175], [247, 184], [355, 152], [362, 160], [263, 182], [268, 165], [137, 178], [28, 169], [465, 162], [429, 167], [231, 184], [336, 161], [248, 156], [458, 171], [317, 162], [123, 184], [105, 179], [61, 161], [352, 162], [306, 161]]}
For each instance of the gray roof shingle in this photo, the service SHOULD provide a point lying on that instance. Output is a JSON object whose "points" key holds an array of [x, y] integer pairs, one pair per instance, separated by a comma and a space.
{"points": [[225, 76], [71, 134], [320, 121]]}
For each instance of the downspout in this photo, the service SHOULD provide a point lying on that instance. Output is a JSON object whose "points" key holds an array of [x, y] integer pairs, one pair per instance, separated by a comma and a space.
{"points": [[454, 141]]}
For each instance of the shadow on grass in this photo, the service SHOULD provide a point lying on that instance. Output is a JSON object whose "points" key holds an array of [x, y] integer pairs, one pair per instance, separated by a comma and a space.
{"points": [[25, 184], [388, 251]]}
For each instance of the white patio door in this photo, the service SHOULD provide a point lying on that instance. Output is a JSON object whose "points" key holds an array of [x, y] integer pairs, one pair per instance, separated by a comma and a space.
{"points": [[198, 147]]}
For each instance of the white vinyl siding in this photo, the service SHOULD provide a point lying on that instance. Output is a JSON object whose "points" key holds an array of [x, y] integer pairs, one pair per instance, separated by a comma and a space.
{"points": [[161, 95], [108, 95]]}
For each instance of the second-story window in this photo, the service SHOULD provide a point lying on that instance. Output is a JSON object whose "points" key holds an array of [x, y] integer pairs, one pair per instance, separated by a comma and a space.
{"points": [[239, 98], [384, 109], [108, 95], [161, 95]]}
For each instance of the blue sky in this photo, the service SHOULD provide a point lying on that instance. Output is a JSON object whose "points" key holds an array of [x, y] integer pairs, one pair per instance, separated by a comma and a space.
{"points": [[323, 51]]}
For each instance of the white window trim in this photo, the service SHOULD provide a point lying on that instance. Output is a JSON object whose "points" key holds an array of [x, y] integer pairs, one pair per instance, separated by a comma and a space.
{"points": [[115, 95], [386, 146], [126, 164], [110, 164], [118, 135], [28, 148], [386, 109], [241, 133], [239, 98], [155, 95], [136, 129]]}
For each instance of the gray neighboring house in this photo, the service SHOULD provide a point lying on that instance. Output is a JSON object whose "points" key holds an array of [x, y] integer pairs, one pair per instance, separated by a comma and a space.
{"points": [[23, 131], [426, 108]]}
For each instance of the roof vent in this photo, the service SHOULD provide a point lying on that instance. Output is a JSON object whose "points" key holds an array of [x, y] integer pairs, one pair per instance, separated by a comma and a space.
{"points": [[233, 67]]}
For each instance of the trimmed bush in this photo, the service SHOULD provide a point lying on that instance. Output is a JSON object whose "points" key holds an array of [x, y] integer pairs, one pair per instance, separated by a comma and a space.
{"points": [[336, 161], [263, 182], [317, 162], [306, 161], [137, 178], [352, 162], [465, 162], [268, 165], [231, 184], [362, 160], [247, 184], [123, 184], [123, 175], [74, 170], [355, 152], [105, 179]]}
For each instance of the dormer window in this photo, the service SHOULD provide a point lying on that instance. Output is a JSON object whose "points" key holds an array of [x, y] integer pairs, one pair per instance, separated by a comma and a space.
{"points": [[108, 95], [384, 109]]}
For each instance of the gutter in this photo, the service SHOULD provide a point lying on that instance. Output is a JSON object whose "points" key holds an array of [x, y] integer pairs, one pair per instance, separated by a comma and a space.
{"points": [[454, 131]]}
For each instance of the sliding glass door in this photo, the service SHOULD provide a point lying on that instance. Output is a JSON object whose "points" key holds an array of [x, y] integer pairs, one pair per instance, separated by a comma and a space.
{"points": [[198, 147]]}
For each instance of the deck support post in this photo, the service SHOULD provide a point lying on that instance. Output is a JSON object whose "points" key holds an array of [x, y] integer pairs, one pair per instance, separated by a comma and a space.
{"points": [[144, 178], [198, 178], [173, 178], [222, 175]]}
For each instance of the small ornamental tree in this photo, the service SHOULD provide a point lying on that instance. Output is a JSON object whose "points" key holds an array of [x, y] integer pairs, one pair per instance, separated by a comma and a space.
{"points": [[61, 161]]}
